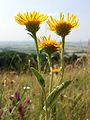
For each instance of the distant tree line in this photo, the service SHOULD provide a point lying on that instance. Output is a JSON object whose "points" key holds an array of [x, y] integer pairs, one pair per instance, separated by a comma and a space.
{"points": [[12, 60]]}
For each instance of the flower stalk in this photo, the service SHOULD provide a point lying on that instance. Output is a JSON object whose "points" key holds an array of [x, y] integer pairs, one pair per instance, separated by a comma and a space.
{"points": [[32, 22], [37, 51], [51, 72], [62, 28], [62, 58], [46, 110]]}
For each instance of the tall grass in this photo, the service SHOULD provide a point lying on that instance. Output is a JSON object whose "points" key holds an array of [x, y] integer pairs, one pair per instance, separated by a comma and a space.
{"points": [[73, 103]]}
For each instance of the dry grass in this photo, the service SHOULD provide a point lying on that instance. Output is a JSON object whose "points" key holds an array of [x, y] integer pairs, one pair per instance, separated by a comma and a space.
{"points": [[73, 104]]}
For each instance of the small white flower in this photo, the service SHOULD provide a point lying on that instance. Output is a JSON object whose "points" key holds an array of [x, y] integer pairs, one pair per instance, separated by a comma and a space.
{"points": [[26, 88]]}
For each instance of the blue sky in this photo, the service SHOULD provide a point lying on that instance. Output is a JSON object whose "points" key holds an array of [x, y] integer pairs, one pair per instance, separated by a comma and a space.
{"points": [[10, 30]]}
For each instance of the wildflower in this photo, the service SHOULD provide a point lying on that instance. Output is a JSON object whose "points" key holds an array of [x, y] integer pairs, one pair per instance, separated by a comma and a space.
{"points": [[20, 110], [1, 113], [26, 87], [50, 46], [63, 27], [17, 96], [31, 20], [56, 70]]}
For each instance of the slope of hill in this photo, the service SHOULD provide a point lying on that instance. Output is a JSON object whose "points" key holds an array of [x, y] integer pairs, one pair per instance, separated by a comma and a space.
{"points": [[29, 46]]}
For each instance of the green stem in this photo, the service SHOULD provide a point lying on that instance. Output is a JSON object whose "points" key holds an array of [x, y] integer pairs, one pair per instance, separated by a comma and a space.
{"points": [[54, 112], [37, 51], [46, 111], [51, 78], [62, 57]]}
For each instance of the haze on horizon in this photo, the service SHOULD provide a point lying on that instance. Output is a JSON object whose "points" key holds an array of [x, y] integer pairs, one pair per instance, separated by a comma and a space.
{"points": [[11, 31]]}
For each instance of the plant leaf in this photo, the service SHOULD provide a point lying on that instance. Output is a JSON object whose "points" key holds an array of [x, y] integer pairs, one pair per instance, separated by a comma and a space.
{"points": [[30, 35], [39, 77], [52, 98]]}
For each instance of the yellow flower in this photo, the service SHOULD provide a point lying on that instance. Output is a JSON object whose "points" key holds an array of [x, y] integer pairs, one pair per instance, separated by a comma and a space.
{"points": [[56, 70], [31, 20], [63, 27], [50, 46]]}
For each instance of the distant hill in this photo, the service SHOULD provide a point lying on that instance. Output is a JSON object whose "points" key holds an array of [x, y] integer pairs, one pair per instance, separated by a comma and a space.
{"points": [[29, 46], [19, 46]]}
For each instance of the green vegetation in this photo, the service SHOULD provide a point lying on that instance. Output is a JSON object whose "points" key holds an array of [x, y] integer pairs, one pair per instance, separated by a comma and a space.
{"points": [[11, 60], [21, 62], [73, 103]]}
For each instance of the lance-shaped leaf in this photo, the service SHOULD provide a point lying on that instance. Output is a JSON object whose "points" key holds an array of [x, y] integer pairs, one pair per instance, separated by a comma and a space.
{"points": [[52, 98], [39, 77]]}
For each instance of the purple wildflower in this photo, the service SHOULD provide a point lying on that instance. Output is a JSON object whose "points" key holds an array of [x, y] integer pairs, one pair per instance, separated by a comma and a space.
{"points": [[20, 110], [1, 113], [17, 96]]}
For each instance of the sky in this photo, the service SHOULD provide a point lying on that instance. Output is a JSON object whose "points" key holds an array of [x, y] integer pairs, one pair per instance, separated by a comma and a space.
{"points": [[11, 31]]}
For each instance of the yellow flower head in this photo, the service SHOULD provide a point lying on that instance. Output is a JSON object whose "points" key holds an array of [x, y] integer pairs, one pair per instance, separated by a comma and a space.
{"points": [[63, 27], [50, 46], [56, 70], [31, 20]]}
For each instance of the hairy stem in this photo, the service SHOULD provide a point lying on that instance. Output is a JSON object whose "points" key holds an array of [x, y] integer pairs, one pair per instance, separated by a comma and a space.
{"points": [[51, 78], [62, 58], [37, 51], [46, 111]]}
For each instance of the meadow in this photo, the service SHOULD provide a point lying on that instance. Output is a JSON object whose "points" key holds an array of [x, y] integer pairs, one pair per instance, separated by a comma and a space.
{"points": [[20, 95], [48, 85]]}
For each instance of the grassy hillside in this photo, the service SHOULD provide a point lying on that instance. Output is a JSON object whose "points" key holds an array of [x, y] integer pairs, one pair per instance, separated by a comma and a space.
{"points": [[73, 103]]}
